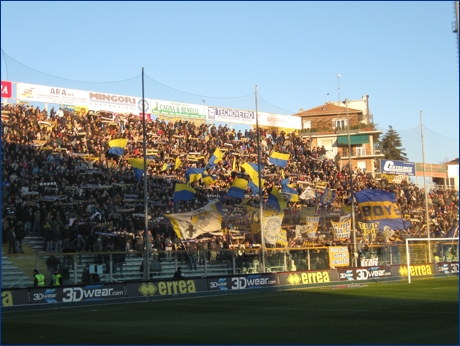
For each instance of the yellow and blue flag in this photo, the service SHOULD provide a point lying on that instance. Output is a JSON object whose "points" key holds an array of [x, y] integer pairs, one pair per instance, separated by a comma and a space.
{"points": [[215, 158], [252, 170], [279, 159], [209, 179], [285, 188], [183, 192], [165, 167], [380, 206], [193, 174], [138, 167], [238, 188], [276, 200], [118, 146]]}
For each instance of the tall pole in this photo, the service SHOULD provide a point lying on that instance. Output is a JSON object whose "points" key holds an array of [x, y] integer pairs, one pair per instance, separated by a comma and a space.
{"points": [[146, 213], [427, 214], [260, 187], [355, 259]]}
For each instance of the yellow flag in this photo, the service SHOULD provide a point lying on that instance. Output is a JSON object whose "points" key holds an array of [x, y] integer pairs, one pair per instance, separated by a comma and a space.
{"points": [[282, 173], [178, 163], [234, 163]]}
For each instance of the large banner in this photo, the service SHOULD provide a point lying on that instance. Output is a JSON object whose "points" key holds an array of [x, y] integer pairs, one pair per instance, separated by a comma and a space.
{"points": [[50, 94], [341, 230], [117, 103], [62, 294], [306, 278], [272, 227], [190, 225], [339, 256], [242, 282], [95, 101], [397, 167], [359, 274], [380, 206], [281, 121], [177, 109], [165, 287], [369, 231], [230, 115]]}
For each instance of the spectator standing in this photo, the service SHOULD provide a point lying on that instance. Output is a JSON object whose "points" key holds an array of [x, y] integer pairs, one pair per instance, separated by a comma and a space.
{"points": [[36, 229], [97, 247], [12, 249], [213, 248], [168, 248], [193, 254], [202, 251], [19, 238], [80, 246]]}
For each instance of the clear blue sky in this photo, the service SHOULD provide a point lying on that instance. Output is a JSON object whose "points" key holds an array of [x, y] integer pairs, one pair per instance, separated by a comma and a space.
{"points": [[402, 54]]}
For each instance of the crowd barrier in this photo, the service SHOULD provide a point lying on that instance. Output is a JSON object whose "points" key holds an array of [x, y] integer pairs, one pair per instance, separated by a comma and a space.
{"points": [[155, 289]]}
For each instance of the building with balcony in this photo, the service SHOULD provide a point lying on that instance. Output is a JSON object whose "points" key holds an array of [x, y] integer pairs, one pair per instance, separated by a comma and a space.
{"points": [[329, 125]]}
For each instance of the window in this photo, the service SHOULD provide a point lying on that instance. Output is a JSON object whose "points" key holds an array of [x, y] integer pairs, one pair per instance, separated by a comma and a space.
{"points": [[339, 123], [360, 151], [306, 124]]}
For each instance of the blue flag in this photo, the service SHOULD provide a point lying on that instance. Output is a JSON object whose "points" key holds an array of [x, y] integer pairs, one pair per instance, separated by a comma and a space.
{"points": [[328, 197], [183, 192], [380, 206], [193, 174], [238, 188]]}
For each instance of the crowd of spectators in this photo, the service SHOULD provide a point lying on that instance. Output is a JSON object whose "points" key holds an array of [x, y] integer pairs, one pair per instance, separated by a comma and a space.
{"points": [[59, 181]]}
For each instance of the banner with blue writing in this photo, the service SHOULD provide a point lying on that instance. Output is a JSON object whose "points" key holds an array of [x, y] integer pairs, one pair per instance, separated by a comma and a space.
{"points": [[397, 167], [380, 206]]}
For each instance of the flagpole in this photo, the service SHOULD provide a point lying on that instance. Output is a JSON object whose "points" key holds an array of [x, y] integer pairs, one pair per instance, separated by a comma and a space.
{"points": [[146, 214], [260, 187], [427, 216], [355, 258]]}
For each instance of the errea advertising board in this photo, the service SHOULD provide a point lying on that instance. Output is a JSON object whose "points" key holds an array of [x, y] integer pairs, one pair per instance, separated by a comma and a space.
{"points": [[397, 167], [165, 287]]}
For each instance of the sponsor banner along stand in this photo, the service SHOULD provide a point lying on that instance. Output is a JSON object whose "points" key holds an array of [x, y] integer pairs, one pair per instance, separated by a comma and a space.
{"points": [[445, 268], [15, 297], [415, 270], [63, 294], [242, 282], [358, 274], [308, 277], [165, 287]]}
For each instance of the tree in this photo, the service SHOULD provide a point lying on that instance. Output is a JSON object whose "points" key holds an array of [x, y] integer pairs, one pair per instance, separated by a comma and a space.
{"points": [[390, 145]]}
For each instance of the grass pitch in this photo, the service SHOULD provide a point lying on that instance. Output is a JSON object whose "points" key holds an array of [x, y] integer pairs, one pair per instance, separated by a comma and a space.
{"points": [[423, 312]]}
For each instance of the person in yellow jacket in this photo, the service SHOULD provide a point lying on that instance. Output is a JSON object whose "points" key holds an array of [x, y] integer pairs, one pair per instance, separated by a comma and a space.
{"points": [[56, 279], [39, 279]]}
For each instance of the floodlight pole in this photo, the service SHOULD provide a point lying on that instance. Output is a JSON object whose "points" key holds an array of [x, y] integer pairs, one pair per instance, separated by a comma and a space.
{"points": [[427, 214], [355, 251], [260, 187], [146, 213]]}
